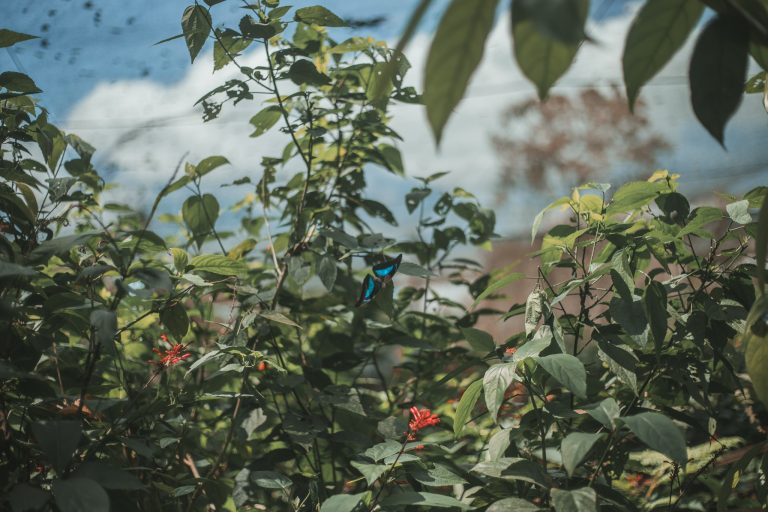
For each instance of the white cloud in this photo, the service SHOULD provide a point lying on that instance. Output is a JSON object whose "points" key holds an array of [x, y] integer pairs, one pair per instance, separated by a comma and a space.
{"points": [[143, 127]]}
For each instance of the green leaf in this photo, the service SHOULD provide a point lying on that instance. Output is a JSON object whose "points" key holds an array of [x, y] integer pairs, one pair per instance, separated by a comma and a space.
{"points": [[318, 15], [496, 380], [345, 502], [422, 499], [717, 73], [18, 82], [265, 120], [199, 214], [280, 318], [761, 244], [539, 216], [605, 411], [480, 341], [411, 269], [466, 406], [25, 498], [656, 34], [700, 217], [371, 472], [512, 505], [206, 165], [109, 477], [58, 440], [533, 310], [327, 270], [545, 45], [756, 354], [56, 247], [252, 29], [540, 341], [80, 495], [568, 370], [270, 480], [10, 38], [303, 71], [218, 264], [438, 476], [577, 500], [175, 319], [196, 26], [634, 195], [739, 211], [659, 433], [104, 325], [575, 448], [456, 51], [497, 284], [8, 269], [655, 307]]}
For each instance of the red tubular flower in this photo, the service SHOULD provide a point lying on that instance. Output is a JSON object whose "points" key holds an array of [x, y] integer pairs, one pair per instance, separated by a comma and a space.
{"points": [[422, 418], [170, 357]]}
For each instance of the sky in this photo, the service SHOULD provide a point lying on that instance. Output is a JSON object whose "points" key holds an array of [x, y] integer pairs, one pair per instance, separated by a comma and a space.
{"points": [[104, 78]]}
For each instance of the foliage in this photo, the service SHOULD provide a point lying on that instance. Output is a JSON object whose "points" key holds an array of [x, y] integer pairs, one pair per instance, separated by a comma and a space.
{"points": [[230, 369]]}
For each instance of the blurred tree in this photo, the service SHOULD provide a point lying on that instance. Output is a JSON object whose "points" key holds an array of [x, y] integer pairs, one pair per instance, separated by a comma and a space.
{"points": [[573, 139]]}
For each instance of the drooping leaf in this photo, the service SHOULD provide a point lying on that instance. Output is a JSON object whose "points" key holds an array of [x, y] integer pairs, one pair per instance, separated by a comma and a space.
{"points": [[466, 406], [57, 246], [717, 73], [577, 500], [318, 15], [210, 163], [575, 448], [658, 31], [455, 53], [58, 440], [438, 476], [659, 433], [199, 214], [280, 318], [568, 370], [80, 495], [655, 307], [196, 26], [371, 472], [545, 45], [496, 380]]}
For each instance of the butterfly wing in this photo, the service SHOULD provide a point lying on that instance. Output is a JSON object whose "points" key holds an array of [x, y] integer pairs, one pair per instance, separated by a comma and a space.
{"points": [[368, 290], [386, 269]]}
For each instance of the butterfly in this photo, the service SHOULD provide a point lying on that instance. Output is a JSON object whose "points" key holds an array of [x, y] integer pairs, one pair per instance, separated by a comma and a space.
{"points": [[382, 273]]}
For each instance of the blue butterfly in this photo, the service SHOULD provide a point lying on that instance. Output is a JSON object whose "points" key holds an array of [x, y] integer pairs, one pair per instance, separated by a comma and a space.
{"points": [[369, 290], [386, 269]]}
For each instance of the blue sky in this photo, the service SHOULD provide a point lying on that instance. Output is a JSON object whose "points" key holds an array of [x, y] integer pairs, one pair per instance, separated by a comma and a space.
{"points": [[104, 78]]}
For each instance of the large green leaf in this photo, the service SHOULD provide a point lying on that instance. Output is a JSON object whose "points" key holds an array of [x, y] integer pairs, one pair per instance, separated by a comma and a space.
{"points": [[175, 319], [80, 495], [422, 499], [456, 51], [655, 307], [656, 34], [575, 448], [466, 406], [25, 498], [371, 472], [58, 440], [196, 26], [717, 73], [568, 370], [545, 45], [496, 380], [577, 500], [659, 433], [634, 195], [57, 246]]}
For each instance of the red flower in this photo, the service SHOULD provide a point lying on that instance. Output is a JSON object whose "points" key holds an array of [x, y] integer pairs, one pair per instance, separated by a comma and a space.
{"points": [[262, 366], [170, 357], [510, 351], [422, 418]]}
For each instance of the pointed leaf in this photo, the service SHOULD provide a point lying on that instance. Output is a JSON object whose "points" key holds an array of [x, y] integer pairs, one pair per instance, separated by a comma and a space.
{"points": [[466, 406], [196, 25], [80, 495], [659, 433], [577, 500], [575, 448], [496, 380], [568, 370], [58, 440]]}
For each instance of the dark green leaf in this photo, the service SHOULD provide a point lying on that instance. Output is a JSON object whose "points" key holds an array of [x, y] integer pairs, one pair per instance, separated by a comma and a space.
{"points": [[700, 217], [196, 26], [43, 252], [497, 285], [496, 380], [568, 370], [25, 498], [422, 499], [577, 500], [104, 325], [200, 214], [109, 477], [371, 472], [544, 45], [438, 476], [318, 15], [575, 448], [18, 82], [58, 440], [80, 495], [466, 406], [270, 480], [252, 29], [656, 34], [9, 37], [717, 73], [265, 120], [456, 51], [513, 505], [8, 269], [280, 318], [606, 412], [411, 269], [345, 503], [175, 319], [303, 71], [659, 433], [655, 307], [327, 271], [480, 341]]}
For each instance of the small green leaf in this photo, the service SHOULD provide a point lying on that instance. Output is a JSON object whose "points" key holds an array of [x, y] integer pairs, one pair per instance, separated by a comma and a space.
{"points": [[659, 433], [456, 51], [58, 440], [411, 269], [196, 25], [9, 37], [265, 120], [496, 380], [104, 325], [655, 307], [739, 211], [545, 45], [575, 448], [318, 15], [718, 71], [656, 34], [206, 165], [80, 495], [568, 370], [218, 264], [577, 500], [480, 341], [303, 72], [466, 406]]}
